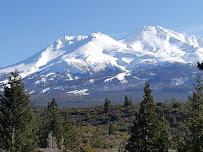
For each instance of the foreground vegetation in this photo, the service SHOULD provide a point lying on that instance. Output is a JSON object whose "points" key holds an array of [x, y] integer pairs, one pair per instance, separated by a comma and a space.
{"points": [[145, 127]]}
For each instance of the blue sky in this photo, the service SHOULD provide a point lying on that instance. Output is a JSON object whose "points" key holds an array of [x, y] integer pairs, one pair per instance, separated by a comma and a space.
{"points": [[27, 26]]}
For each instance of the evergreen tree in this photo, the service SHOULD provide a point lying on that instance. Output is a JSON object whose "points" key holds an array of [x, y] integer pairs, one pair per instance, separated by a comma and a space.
{"points": [[192, 129], [111, 129], [200, 65], [127, 101], [17, 127], [72, 137], [149, 133], [107, 105], [52, 123]]}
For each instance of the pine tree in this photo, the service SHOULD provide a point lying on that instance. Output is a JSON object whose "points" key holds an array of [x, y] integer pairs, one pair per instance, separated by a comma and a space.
{"points": [[51, 124], [111, 129], [107, 105], [72, 136], [192, 129], [148, 134], [55, 122], [200, 65], [17, 127], [127, 101]]}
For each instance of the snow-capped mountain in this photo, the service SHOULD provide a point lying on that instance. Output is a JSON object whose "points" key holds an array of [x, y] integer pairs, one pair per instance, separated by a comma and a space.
{"points": [[81, 65]]}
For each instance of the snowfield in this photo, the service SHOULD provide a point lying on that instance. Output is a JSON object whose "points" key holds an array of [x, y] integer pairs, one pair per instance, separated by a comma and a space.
{"points": [[83, 92], [100, 62]]}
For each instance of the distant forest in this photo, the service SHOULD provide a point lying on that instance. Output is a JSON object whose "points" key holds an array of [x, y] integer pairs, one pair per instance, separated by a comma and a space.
{"points": [[147, 126]]}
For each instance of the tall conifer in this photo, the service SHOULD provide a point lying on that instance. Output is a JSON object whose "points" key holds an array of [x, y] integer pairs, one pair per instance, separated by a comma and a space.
{"points": [[191, 138], [52, 124], [17, 127], [107, 105], [149, 133]]}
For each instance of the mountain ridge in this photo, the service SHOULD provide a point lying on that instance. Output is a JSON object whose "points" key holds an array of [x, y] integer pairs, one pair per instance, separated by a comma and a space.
{"points": [[98, 62]]}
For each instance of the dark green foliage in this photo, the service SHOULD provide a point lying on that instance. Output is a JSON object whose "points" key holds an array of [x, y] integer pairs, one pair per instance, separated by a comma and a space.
{"points": [[107, 105], [149, 133], [127, 101], [17, 127], [54, 118], [111, 129], [52, 122], [200, 65], [72, 137], [191, 138], [101, 127]]}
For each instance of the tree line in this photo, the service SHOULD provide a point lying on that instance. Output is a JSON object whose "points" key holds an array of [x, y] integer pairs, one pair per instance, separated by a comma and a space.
{"points": [[22, 130]]}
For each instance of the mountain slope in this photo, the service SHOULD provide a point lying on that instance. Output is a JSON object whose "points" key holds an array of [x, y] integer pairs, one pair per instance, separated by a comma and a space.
{"points": [[82, 65]]}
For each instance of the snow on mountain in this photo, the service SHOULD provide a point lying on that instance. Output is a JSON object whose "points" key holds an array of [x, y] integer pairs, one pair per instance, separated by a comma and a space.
{"points": [[99, 62], [165, 45], [83, 92]]}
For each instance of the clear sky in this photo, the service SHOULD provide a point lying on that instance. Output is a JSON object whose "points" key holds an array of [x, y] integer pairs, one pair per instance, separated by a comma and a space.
{"points": [[27, 26]]}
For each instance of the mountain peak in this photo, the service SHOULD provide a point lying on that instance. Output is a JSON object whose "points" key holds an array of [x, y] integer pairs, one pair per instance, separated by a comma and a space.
{"points": [[98, 35], [100, 57], [156, 30], [149, 42], [153, 28], [95, 34]]}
